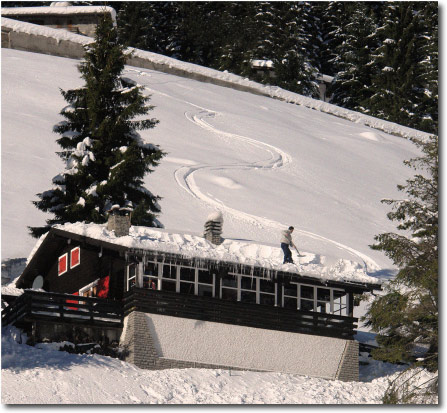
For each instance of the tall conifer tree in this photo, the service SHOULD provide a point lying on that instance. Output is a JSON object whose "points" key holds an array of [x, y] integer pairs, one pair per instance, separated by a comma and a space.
{"points": [[398, 86], [406, 316], [106, 159], [352, 85]]}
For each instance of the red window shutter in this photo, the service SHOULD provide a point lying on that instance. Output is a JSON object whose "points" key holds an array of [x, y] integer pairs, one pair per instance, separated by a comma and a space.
{"points": [[75, 257], [102, 289], [63, 264], [73, 302]]}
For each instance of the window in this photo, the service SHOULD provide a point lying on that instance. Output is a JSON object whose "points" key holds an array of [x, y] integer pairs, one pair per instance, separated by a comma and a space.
{"points": [[289, 296], [323, 300], [131, 276], [62, 264], [169, 278], [267, 292], [248, 289], [75, 257], [150, 276], [230, 288], [340, 302], [205, 283]]}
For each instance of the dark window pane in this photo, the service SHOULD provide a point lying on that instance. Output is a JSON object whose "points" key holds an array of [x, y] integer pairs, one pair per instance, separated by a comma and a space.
{"points": [[168, 285], [150, 282], [267, 299], [307, 305], [267, 286], [170, 271], [323, 307], [290, 303], [290, 290], [131, 271], [323, 294], [307, 292], [228, 294], [248, 297], [187, 274], [229, 282], [151, 269], [205, 277], [205, 290], [248, 283], [132, 283], [187, 288], [338, 294]]}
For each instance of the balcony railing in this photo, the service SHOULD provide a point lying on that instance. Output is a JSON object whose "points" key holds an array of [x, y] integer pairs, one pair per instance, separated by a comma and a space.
{"points": [[239, 313], [65, 308]]}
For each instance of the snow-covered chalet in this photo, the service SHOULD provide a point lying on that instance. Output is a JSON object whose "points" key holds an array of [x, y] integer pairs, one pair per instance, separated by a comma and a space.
{"points": [[179, 301]]}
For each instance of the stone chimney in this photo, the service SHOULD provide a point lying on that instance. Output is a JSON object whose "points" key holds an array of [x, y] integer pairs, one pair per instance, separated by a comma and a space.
{"points": [[213, 228], [119, 220]]}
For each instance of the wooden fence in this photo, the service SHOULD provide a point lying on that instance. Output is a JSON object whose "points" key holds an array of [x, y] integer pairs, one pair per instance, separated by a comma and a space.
{"points": [[63, 308], [231, 312]]}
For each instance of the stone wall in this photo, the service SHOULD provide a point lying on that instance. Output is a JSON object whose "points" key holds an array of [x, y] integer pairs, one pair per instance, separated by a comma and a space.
{"points": [[349, 365]]}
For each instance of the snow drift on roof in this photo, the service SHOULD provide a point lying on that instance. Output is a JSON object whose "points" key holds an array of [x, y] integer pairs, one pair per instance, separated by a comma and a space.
{"points": [[230, 251]]}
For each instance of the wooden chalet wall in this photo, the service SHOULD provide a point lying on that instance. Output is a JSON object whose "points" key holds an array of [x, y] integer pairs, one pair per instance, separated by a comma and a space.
{"points": [[95, 263]]}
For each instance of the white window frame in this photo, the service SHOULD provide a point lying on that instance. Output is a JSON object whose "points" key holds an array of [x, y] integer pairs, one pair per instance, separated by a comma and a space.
{"points": [[155, 277], [66, 266], [79, 260], [289, 296], [128, 273], [256, 290], [88, 287], [315, 300]]}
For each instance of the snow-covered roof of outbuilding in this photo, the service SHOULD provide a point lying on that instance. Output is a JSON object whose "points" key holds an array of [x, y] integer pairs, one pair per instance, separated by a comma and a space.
{"points": [[58, 9], [249, 253]]}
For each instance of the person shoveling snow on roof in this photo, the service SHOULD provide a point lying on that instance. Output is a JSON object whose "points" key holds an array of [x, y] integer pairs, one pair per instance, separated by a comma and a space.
{"points": [[286, 241]]}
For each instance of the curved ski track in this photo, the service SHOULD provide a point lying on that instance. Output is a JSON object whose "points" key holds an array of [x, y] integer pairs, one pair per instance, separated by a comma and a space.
{"points": [[184, 175]]}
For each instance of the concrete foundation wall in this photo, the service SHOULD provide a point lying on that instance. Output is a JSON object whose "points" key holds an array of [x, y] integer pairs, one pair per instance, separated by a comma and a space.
{"points": [[156, 342]]}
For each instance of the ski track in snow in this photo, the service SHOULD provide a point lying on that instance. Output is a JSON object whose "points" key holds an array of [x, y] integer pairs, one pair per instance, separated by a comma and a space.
{"points": [[184, 175]]}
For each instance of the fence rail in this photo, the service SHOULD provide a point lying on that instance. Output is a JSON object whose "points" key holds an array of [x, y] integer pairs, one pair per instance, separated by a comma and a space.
{"points": [[35, 305], [230, 312]]}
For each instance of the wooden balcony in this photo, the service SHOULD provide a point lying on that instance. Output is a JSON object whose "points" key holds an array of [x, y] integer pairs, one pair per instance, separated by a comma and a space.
{"points": [[63, 308], [239, 313]]}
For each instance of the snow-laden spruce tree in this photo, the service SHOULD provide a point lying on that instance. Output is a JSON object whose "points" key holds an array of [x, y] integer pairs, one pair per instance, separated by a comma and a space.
{"points": [[399, 83], [406, 316], [106, 159], [352, 84]]}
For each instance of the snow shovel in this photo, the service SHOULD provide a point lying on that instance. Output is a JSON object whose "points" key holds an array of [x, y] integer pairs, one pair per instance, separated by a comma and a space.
{"points": [[296, 249]]}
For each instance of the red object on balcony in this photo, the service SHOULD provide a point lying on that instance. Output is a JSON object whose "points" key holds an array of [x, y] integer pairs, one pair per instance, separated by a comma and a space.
{"points": [[73, 302], [102, 289]]}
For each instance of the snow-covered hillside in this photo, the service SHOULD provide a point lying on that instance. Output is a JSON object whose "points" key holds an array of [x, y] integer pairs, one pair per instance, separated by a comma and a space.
{"points": [[264, 163]]}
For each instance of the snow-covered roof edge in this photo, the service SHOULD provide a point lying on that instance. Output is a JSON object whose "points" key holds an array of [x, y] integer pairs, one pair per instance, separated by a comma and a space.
{"points": [[231, 252]]}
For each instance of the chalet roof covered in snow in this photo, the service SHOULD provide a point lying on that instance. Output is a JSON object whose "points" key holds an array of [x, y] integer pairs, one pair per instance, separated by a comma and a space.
{"points": [[189, 246]]}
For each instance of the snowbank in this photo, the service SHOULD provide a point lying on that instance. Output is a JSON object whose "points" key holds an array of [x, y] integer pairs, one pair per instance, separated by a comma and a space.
{"points": [[93, 379], [231, 251]]}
